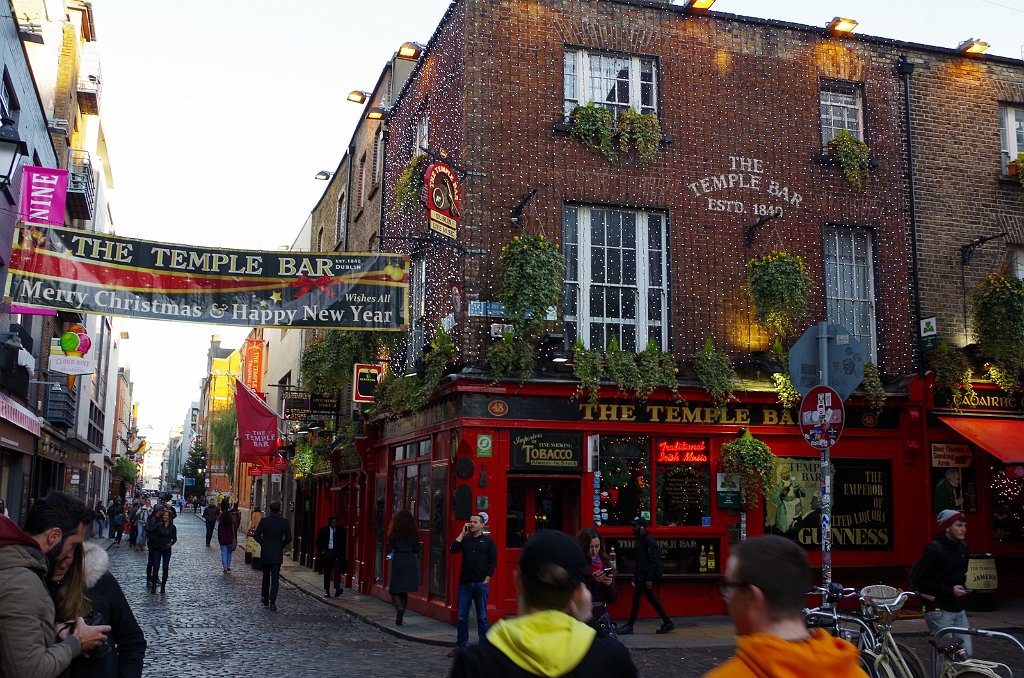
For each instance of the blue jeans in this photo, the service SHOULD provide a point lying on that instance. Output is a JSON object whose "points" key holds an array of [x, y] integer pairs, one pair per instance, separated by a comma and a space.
{"points": [[101, 526], [942, 619], [477, 595], [225, 555], [271, 576]]}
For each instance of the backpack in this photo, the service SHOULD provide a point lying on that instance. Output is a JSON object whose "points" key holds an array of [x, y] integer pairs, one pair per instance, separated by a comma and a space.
{"points": [[916, 570]]}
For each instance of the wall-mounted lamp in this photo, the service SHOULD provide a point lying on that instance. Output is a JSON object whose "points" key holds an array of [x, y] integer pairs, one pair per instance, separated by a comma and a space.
{"points": [[12, 149], [552, 348], [410, 50], [378, 113], [323, 175], [841, 26], [54, 385], [358, 96], [972, 46], [699, 5]]}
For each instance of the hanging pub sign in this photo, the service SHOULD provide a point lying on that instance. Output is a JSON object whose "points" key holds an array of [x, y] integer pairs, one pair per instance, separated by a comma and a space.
{"points": [[74, 270], [546, 451], [364, 381], [444, 199]]}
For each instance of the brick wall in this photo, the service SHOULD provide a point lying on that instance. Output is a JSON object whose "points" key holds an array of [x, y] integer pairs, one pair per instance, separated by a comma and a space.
{"points": [[729, 89]]}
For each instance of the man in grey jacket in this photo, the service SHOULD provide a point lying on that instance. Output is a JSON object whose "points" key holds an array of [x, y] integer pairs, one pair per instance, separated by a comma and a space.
{"points": [[272, 534], [30, 644]]}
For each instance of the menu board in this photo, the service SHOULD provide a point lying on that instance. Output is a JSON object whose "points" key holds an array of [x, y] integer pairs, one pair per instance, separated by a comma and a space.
{"points": [[681, 556], [683, 494]]}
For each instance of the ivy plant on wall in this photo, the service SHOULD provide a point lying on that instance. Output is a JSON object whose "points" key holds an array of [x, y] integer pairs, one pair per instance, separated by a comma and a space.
{"points": [[716, 373], [997, 314], [852, 155], [953, 371]]}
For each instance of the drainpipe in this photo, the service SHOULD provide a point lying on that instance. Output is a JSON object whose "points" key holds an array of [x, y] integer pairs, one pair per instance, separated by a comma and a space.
{"points": [[905, 68], [348, 191]]}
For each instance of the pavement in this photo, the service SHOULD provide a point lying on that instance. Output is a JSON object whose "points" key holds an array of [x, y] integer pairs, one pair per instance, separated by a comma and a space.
{"points": [[690, 632]]}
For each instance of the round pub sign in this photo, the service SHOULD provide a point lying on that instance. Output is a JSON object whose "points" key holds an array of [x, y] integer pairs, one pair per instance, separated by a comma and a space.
{"points": [[821, 417]]}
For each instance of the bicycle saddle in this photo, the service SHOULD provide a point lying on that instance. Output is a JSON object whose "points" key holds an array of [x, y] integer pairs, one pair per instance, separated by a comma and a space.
{"points": [[947, 645]]}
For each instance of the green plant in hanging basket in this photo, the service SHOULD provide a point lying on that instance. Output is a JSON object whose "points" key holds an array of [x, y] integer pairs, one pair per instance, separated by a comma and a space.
{"points": [[410, 181], [779, 286], [750, 461], [588, 367], [657, 369], [595, 126], [531, 281], [874, 392], [641, 131], [997, 315], [716, 373], [953, 371], [852, 155], [787, 394], [125, 469], [621, 367]]}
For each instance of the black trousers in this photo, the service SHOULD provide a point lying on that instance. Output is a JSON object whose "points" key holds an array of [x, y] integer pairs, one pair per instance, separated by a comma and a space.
{"points": [[209, 531], [331, 562], [271, 577], [640, 591]]}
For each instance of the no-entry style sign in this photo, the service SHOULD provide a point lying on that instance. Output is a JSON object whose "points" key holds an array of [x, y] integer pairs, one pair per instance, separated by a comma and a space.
{"points": [[821, 417]]}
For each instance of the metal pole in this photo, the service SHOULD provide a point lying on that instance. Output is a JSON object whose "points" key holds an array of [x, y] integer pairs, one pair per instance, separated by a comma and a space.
{"points": [[826, 499]]}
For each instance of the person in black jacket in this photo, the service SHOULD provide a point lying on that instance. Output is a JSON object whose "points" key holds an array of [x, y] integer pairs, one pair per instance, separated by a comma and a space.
{"points": [[86, 580], [648, 570], [943, 573], [210, 514], [547, 638], [403, 551], [273, 534], [161, 536], [330, 549], [479, 559]]}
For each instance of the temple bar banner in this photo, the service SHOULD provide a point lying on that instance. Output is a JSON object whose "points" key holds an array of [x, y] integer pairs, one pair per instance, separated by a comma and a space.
{"points": [[69, 269]]}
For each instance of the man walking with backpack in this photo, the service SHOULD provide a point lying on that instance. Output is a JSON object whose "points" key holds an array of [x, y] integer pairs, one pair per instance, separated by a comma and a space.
{"points": [[210, 514], [941, 574]]}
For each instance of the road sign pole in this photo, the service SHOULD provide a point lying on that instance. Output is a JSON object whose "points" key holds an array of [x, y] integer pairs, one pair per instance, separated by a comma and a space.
{"points": [[826, 494]]}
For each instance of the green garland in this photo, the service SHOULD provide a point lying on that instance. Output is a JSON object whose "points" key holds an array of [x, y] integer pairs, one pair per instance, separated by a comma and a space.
{"points": [[852, 154], [874, 392], [716, 373], [531, 281], [779, 286], [953, 371], [751, 462], [410, 181], [639, 131], [595, 126], [997, 315], [510, 356], [398, 395], [657, 368], [788, 396], [621, 367], [588, 367]]}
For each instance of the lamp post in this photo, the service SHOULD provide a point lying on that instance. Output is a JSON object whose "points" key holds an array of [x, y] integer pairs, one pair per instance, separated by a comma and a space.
{"points": [[12, 149]]}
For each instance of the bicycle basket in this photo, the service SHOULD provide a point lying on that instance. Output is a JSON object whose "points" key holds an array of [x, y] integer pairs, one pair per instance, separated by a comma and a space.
{"points": [[879, 595]]}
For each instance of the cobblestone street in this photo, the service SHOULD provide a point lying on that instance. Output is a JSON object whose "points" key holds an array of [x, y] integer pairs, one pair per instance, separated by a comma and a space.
{"points": [[212, 624]]}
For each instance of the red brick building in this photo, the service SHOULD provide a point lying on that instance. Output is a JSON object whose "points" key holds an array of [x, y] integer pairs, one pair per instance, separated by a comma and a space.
{"points": [[655, 253]]}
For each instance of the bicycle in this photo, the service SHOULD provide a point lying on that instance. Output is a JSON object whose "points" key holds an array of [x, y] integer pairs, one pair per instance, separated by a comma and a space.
{"points": [[869, 629], [955, 663]]}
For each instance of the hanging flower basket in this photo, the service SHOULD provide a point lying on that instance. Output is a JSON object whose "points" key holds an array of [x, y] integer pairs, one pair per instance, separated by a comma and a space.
{"points": [[778, 285], [852, 155], [750, 461], [531, 281], [997, 314]]}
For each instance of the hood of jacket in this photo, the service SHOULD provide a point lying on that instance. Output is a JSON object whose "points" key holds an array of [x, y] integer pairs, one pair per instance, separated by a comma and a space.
{"points": [[95, 563], [17, 549], [548, 643], [764, 654]]}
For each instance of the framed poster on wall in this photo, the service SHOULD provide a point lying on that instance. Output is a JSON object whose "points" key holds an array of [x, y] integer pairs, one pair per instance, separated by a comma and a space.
{"points": [[953, 478]]}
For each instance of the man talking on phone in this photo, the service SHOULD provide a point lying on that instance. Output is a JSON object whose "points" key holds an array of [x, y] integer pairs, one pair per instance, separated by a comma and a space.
{"points": [[479, 558]]}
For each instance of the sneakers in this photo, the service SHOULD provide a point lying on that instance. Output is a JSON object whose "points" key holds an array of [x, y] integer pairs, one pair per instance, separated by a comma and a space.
{"points": [[273, 607], [666, 628], [625, 630], [266, 601]]}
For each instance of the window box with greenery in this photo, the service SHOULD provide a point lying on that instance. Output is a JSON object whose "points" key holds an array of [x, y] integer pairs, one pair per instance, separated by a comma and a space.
{"points": [[853, 158], [997, 315], [598, 128], [400, 394], [716, 373], [409, 184]]}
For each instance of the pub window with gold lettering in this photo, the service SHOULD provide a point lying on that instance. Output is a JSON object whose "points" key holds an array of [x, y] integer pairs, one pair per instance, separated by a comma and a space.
{"points": [[683, 487], [625, 479]]}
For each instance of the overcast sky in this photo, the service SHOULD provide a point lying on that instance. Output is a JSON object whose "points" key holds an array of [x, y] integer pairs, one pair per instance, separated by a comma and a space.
{"points": [[219, 112]]}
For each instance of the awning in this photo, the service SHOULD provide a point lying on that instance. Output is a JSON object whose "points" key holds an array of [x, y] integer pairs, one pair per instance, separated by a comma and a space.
{"points": [[1003, 438]]}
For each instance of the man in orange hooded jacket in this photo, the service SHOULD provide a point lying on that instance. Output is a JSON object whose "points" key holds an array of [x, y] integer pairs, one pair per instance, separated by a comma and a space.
{"points": [[765, 584]]}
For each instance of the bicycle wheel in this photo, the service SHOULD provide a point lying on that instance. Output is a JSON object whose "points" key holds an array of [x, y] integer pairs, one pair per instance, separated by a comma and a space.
{"points": [[912, 661], [867, 663], [876, 666], [971, 673]]}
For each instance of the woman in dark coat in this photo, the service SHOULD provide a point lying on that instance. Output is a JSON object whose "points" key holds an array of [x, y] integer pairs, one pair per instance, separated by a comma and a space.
{"points": [[88, 589], [403, 552], [162, 536], [226, 536]]}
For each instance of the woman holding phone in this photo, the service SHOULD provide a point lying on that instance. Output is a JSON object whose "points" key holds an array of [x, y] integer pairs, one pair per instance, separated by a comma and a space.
{"points": [[600, 580]]}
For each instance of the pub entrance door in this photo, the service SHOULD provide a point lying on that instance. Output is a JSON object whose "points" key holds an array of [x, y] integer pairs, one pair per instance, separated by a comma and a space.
{"points": [[536, 503]]}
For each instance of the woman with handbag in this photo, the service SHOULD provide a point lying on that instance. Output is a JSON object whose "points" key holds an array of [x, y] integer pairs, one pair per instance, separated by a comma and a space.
{"points": [[600, 580]]}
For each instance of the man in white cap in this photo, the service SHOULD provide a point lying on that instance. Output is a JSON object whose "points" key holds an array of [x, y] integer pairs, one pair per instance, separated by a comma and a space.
{"points": [[941, 575], [479, 558]]}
